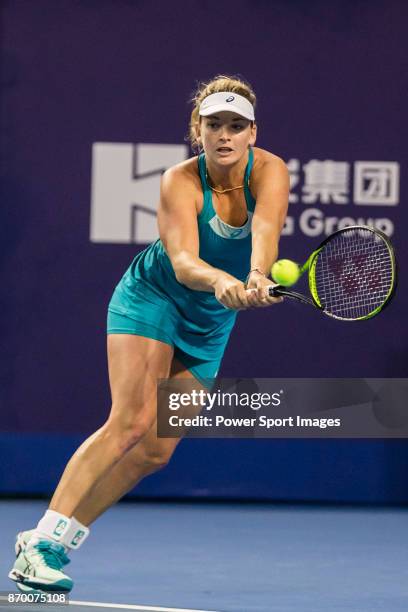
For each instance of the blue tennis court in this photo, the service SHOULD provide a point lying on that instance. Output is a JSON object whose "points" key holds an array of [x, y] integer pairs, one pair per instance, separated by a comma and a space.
{"points": [[234, 557]]}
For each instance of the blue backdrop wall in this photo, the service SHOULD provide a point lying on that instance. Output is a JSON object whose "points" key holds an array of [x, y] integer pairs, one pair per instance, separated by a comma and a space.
{"points": [[94, 105]]}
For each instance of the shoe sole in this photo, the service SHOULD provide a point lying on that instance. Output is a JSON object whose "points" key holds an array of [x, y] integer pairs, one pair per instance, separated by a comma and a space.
{"points": [[25, 580], [26, 589]]}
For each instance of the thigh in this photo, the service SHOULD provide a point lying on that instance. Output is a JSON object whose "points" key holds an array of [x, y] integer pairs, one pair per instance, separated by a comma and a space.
{"points": [[135, 363]]}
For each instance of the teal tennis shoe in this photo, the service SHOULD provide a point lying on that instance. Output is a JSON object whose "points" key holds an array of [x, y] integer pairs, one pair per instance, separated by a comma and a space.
{"points": [[39, 564]]}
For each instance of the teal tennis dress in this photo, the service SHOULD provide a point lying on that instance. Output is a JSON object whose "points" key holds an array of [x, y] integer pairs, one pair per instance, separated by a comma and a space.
{"points": [[149, 301]]}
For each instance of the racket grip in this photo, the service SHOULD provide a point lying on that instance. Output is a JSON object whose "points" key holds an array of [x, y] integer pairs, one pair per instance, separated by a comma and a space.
{"points": [[271, 290]]}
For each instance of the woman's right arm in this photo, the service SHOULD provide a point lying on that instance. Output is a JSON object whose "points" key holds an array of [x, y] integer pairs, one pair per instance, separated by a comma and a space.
{"points": [[177, 218]]}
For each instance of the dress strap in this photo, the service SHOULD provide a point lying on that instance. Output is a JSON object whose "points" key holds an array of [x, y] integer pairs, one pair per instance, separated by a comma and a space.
{"points": [[208, 210], [202, 169], [250, 200], [249, 165]]}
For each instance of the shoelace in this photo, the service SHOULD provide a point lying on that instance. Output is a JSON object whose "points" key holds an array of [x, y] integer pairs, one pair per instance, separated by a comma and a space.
{"points": [[52, 554]]}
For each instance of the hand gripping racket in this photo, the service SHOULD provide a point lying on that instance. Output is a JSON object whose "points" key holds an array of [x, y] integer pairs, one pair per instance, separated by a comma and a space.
{"points": [[352, 275]]}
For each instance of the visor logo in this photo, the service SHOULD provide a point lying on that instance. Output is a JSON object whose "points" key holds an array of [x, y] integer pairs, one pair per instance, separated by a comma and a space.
{"points": [[230, 99]]}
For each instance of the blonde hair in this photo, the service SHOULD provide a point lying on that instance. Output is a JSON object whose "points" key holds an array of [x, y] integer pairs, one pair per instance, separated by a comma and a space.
{"points": [[219, 83]]}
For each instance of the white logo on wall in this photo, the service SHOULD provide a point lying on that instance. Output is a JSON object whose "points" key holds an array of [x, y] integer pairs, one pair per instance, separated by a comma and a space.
{"points": [[125, 189], [325, 182], [126, 186], [376, 183]]}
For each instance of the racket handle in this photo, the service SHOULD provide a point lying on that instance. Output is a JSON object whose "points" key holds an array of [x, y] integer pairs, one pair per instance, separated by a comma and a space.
{"points": [[280, 291], [271, 290], [283, 292]]}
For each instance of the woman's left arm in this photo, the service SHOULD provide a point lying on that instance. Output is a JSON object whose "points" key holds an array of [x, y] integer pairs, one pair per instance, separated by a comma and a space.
{"points": [[271, 191]]}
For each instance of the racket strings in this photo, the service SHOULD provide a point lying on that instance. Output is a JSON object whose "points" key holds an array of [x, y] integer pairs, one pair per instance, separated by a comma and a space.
{"points": [[354, 274]]}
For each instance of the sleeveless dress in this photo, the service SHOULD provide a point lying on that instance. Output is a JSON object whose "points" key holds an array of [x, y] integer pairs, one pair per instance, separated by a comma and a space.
{"points": [[149, 301]]}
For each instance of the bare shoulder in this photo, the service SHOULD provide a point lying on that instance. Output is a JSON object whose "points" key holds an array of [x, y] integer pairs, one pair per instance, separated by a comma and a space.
{"points": [[183, 176], [269, 172], [265, 160]]}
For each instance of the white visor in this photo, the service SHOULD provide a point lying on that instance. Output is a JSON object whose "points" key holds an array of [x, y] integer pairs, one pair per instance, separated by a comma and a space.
{"points": [[227, 101]]}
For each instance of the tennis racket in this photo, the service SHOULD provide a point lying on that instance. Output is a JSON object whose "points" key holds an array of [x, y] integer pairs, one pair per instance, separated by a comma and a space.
{"points": [[352, 275]]}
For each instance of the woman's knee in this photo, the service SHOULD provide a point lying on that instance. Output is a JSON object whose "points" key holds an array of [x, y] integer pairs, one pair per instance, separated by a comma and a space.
{"points": [[147, 458], [157, 459], [127, 430]]}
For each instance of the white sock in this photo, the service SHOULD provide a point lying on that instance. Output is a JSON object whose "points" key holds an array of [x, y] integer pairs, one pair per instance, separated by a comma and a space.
{"points": [[52, 526], [75, 535]]}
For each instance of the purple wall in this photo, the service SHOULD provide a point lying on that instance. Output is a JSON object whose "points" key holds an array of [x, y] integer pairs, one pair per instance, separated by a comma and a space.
{"points": [[330, 84]]}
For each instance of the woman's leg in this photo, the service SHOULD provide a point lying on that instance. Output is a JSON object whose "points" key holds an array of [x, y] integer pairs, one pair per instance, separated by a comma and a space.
{"points": [[135, 364], [149, 455]]}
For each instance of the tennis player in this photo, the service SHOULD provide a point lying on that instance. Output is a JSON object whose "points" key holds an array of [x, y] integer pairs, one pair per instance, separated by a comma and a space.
{"points": [[220, 217]]}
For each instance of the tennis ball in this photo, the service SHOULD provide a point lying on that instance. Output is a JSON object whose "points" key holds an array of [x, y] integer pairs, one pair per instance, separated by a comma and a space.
{"points": [[285, 272]]}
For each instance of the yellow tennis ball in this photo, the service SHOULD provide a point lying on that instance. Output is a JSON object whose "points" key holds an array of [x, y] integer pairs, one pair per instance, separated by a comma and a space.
{"points": [[285, 272]]}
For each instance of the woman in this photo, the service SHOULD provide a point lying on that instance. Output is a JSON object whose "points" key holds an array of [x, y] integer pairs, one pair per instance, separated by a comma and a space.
{"points": [[220, 219]]}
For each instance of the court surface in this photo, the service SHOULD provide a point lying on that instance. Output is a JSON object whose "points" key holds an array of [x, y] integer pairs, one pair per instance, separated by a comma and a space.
{"points": [[167, 557]]}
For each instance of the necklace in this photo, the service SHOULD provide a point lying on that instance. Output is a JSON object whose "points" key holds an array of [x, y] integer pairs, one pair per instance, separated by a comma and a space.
{"points": [[221, 190]]}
